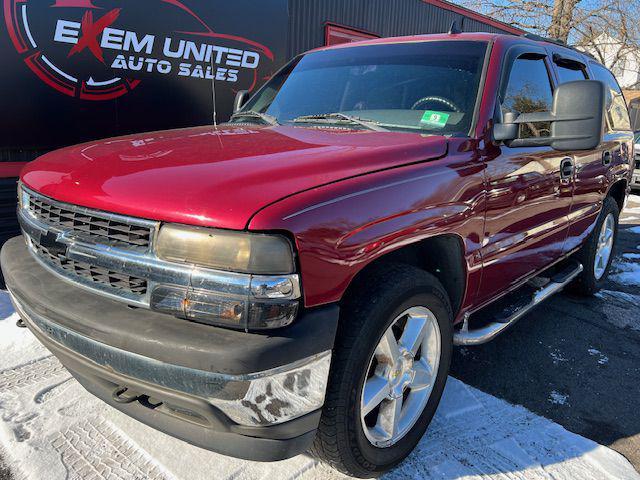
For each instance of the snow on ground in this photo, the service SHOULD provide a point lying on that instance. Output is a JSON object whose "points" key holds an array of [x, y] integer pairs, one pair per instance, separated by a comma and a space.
{"points": [[51, 428], [627, 272]]}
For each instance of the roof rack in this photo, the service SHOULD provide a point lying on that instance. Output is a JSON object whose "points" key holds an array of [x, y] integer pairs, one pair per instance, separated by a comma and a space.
{"points": [[556, 41]]}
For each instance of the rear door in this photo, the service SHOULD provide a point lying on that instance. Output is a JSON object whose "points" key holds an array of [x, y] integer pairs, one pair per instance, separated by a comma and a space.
{"points": [[528, 200], [593, 170]]}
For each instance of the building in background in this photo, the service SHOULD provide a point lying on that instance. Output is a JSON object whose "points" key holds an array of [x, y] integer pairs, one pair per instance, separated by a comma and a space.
{"points": [[623, 60]]}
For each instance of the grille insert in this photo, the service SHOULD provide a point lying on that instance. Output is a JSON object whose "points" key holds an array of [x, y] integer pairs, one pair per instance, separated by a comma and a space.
{"points": [[92, 225], [92, 273]]}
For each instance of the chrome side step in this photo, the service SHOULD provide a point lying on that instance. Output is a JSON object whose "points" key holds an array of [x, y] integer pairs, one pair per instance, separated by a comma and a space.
{"points": [[488, 332]]}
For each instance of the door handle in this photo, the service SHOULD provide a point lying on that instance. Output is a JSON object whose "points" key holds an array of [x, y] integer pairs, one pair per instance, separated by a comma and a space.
{"points": [[566, 169], [606, 158]]}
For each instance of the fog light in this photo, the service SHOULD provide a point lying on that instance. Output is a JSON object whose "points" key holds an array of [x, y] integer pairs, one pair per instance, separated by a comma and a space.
{"points": [[271, 315], [216, 308]]}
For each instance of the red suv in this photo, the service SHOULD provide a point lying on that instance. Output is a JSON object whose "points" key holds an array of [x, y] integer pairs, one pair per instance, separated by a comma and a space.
{"points": [[297, 277]]}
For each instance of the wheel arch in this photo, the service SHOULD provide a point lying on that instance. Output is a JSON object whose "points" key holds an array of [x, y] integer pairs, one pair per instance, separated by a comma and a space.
{"points": [[618, 191], [440, 255]]}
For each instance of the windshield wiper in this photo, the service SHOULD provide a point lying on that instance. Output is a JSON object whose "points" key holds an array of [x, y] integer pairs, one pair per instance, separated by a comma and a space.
{"points": [[340, 117], [265, 117]]}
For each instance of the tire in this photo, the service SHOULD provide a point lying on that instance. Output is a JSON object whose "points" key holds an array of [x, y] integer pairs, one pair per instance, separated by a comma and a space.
{"points": [[588, 282], [341, 440]]}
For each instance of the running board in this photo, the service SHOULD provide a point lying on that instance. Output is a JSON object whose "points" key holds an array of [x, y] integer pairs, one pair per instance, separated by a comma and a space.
{"points": [[488, 332]]}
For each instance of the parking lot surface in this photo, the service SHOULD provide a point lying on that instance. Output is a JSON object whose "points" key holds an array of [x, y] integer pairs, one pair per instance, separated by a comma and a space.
{"points": [[573, 360]]}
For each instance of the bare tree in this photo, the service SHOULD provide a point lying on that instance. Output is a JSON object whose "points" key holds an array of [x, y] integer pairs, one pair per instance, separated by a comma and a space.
{"points": [[579, 22], [562, 19], [611, 34]]}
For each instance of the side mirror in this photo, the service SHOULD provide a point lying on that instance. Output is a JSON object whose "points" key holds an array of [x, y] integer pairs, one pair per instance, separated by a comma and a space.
{"points": [[577, 119], [238, 102]]}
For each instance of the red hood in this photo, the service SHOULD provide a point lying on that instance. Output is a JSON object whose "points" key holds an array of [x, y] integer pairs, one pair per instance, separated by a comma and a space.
{"points": [[216, 177]]}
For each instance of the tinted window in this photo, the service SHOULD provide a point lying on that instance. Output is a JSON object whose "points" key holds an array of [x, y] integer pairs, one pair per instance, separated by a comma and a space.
{"points": [[617, 114], [529, 90], [426, 86], [567, 74]]}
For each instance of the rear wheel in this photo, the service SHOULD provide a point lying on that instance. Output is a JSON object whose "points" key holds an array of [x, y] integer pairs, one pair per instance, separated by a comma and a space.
{"points": [[389, 369], [596, 254]]}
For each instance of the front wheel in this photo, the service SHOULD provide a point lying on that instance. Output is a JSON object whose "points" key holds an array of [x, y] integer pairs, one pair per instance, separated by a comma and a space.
{"points": [[389, 370]]}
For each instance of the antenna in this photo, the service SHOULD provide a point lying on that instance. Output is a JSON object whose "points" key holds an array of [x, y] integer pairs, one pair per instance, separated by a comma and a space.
{"points": [[213, 94], [454, 28]]}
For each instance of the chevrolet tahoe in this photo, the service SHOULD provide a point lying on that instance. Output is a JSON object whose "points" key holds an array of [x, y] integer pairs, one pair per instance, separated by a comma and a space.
{"points": [[296, 278]]}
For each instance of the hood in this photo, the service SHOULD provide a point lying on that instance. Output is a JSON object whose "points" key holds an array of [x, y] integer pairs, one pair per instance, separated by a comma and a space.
{"points": [[217, 177]]}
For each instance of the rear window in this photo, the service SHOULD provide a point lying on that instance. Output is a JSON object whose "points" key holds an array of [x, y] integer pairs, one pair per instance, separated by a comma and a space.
{"points": [[617, 114]]}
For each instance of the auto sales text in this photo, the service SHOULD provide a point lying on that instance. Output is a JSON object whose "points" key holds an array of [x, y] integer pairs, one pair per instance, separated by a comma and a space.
{"points": [[184, 57]]}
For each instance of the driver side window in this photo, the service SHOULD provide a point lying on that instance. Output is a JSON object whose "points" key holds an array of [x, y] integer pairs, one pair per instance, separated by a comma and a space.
{"points": [[529, 90]]}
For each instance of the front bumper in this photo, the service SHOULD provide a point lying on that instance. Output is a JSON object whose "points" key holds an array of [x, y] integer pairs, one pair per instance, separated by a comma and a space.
{"points": [[249, 395]]}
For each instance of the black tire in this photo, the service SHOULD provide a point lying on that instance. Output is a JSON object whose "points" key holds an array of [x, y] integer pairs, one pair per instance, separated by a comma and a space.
{"points": [[365, 317], [586, 283]]}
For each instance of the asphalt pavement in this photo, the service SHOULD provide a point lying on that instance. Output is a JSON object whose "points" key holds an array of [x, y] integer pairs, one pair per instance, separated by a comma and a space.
{"points": [[575, 360]]}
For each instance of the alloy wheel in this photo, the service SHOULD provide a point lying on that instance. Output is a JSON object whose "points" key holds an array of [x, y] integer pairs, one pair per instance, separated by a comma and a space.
{"points": [[604, 246], [400, 376]]}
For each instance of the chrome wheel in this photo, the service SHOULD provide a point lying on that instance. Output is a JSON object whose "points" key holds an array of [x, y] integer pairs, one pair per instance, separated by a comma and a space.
{"points": [[604, 247], [401, 375]]}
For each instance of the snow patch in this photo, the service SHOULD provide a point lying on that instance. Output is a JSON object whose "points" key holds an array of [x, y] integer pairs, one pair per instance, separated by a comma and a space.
{"points": [[626, 272], [602, 359], [558, 398], [557, 357]]}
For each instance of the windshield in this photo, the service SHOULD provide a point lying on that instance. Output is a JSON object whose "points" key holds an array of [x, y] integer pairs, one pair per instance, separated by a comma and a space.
{"points": [[637, 137], [425, 87]]}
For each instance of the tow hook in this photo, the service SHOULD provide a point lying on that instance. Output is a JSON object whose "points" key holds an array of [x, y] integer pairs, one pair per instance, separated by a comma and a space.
{"points": [[20, 323], [124, 395]]}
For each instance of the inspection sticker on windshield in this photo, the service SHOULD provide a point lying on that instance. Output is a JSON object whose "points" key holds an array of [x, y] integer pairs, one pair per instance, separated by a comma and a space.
{"points": [[434, 119]]}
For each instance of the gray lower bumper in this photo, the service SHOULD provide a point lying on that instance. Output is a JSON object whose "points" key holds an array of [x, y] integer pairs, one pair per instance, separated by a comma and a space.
{"points": [[169, 365], [262, 398]]}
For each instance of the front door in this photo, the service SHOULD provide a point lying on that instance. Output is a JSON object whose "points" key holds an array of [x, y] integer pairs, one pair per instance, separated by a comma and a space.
{"points": [[529, 189]]}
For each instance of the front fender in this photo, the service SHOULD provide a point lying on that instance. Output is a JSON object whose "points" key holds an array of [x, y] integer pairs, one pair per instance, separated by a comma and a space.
{"points": [[342, 227]]}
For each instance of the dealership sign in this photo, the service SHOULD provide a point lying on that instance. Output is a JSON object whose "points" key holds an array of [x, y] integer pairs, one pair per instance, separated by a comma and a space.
{"points": [[99, 50]]}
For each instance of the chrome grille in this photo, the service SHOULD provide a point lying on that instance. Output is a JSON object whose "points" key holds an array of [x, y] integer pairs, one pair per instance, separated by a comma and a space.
{"points": [[92, 273], [89, 224], [59, 232]]}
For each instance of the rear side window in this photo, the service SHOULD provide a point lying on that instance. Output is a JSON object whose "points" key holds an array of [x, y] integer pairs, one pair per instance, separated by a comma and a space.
{"points": [[529, 90], [567, 74], [617, 114]]}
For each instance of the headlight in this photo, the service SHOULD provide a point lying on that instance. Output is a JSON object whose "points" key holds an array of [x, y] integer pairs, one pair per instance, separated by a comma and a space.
{"points": [[241, 280], [226, 250]]}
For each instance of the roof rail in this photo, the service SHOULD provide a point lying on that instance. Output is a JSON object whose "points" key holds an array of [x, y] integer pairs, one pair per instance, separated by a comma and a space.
{"points": [[556, 41], [539, 38]]}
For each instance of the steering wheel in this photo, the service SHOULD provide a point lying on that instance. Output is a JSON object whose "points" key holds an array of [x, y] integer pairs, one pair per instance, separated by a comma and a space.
{"points": [[444, 101]]}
